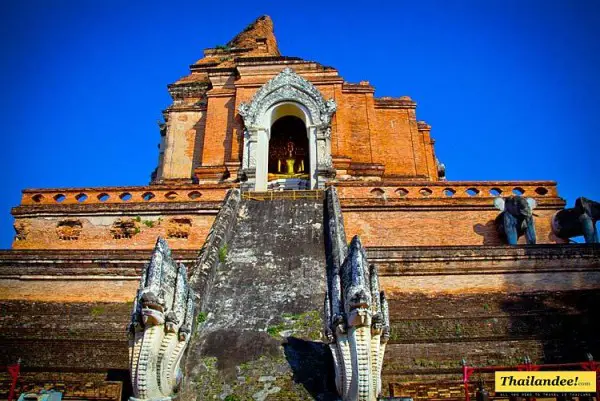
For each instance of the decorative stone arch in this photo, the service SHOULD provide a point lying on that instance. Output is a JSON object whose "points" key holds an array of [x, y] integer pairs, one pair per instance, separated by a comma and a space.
{"points": [[286, 94]]}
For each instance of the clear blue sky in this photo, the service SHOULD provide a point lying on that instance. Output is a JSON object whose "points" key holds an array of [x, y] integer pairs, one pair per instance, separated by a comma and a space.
{"points": [[511, 88]]}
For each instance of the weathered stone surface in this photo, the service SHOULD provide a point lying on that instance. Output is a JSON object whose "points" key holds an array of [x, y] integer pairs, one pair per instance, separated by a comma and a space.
{"points": [[215, 246], [261, 318]]}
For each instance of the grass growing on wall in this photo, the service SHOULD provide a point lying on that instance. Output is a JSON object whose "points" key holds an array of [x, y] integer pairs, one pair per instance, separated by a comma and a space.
{"points": [[223, 254]]}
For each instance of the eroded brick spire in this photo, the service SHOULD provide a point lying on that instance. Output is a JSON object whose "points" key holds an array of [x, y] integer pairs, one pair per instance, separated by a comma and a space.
{"points": [[258, 37]]}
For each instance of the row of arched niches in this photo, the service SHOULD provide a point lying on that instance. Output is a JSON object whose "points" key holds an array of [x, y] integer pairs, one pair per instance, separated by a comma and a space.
{"points": [[451, 192], [147, 196], [88, 197]]}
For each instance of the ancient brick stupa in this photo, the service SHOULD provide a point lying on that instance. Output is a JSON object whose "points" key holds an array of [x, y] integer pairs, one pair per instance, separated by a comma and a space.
{"points": [[251, 149]]}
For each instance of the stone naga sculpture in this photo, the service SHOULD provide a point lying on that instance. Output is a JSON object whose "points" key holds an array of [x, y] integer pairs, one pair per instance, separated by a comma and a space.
{"points": [[580, 220], [160, 328], [357, 326], [516, 218]]}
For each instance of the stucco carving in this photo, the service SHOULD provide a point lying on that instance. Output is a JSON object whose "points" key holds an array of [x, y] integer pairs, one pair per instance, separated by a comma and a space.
{"points": [[69, 230], [324, 157], [160, 328], [288, 86], [179, 227], [249, 154], [22, 230], [124, 228], [324, 133]]}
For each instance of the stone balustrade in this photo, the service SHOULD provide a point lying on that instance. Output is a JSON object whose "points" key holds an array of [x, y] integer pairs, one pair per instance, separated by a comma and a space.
{"points": [[112, 195], [446, 189], [356, 190]]}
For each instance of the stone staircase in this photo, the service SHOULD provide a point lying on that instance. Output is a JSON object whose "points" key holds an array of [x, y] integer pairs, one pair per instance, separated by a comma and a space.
{"points": [[262, 304]]}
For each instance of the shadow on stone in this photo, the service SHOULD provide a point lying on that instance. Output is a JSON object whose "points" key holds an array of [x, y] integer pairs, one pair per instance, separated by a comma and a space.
{"points": [[488, 232], [312, 365], [235, 347]]}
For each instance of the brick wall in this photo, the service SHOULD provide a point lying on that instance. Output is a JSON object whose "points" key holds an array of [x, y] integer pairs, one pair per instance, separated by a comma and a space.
{"points": [[184, 231], [184, 130], [365, 129], [490, 305], [106, 386], [422, 228]]}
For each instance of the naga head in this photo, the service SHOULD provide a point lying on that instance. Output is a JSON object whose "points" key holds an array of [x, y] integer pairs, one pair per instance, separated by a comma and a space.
{"points": [[171, 322], [358, 307], [356, 286], [184, 333], [153, 307], [377, 324], [338, 324]]}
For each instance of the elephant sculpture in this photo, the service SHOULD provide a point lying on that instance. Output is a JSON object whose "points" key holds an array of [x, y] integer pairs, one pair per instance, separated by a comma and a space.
{"points": [[516, 218], [579, 220]]}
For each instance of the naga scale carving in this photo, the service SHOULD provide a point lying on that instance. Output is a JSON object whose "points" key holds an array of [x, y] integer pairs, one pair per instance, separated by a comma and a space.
{"points": [[160, 328], [357, 326]]}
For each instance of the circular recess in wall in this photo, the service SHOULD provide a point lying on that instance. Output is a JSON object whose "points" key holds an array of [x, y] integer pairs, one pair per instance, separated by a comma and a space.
{"points": [[472, 191], [37, 198], [449, 192], [103, 197], [147, 196], [495, 191], [377, 192], [541, 191], [425, 192], [171, 195], [59, 197], [518, 191], [81, 197], [402, 192], [125, 196], [194, 195]]}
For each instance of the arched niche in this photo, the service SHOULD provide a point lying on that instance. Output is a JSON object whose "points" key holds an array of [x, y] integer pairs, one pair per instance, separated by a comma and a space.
{"points": [[271, 120], [286, 95]]}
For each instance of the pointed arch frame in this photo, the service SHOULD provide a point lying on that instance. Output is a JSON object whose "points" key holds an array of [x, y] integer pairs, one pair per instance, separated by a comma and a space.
{"points": [[286, 87]]}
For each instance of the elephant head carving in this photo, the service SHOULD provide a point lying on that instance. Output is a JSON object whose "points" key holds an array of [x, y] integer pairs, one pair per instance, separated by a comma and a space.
{"points": [[516, 218], [579, 220]]}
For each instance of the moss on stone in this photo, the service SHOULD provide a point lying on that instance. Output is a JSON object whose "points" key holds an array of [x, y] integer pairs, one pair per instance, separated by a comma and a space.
{"points": [[223, 253], [306, 325], [267, 376], [201, 318], [97, 311]]}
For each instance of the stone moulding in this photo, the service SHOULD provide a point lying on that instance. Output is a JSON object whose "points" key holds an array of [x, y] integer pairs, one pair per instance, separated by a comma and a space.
{"points": [[356, 318], [203, 272], [160, 328]]}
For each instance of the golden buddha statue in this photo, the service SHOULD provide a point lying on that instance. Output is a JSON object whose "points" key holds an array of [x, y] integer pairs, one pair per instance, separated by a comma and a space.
{"points": [[290, 162]]}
